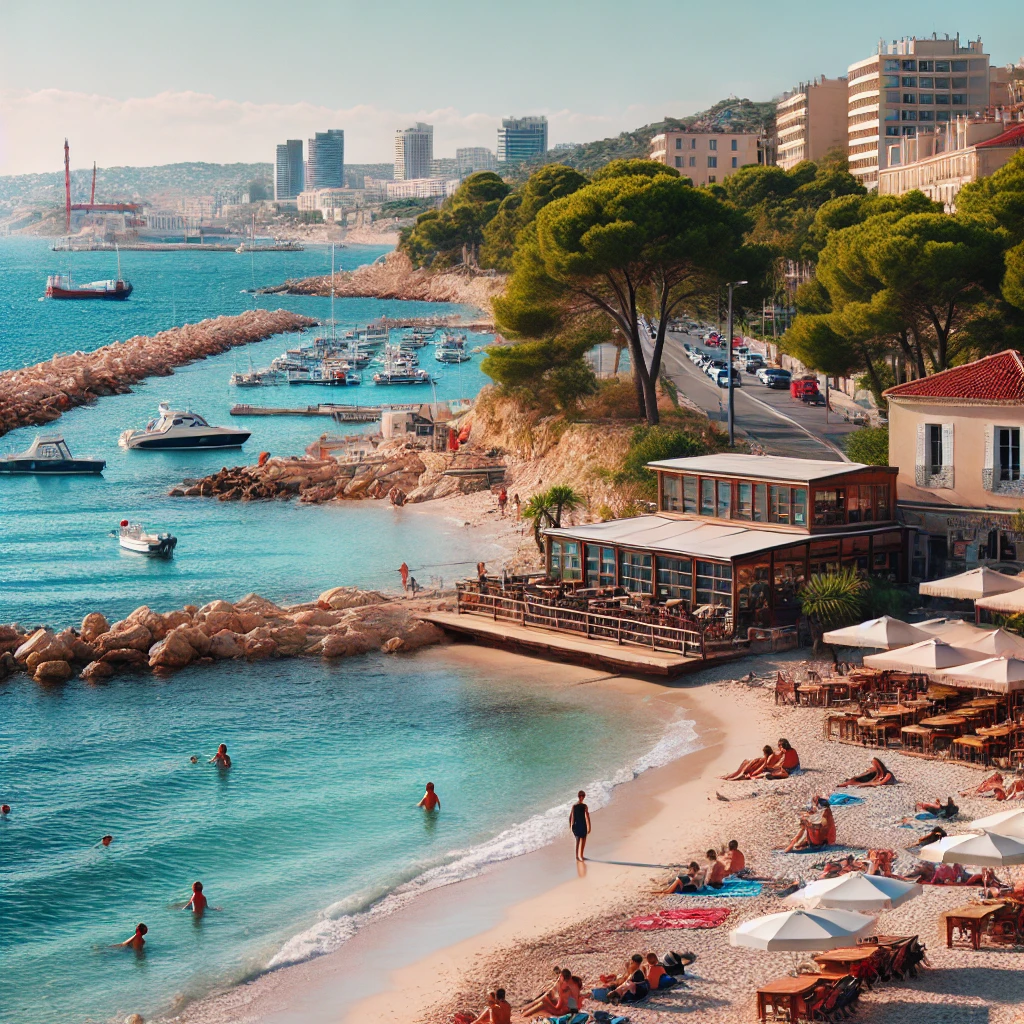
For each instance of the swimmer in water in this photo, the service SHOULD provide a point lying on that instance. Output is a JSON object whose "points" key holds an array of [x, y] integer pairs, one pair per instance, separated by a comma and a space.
{"points": [[193, 759], [431, 801], [198, 903], [5, 809], [106, 840], [137, 941], [221, 759]]}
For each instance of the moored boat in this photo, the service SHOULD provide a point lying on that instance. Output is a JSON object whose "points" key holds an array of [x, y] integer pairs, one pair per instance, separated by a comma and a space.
{"points": [[49, 455], [60, 286], [132, 537], [177, 429]]}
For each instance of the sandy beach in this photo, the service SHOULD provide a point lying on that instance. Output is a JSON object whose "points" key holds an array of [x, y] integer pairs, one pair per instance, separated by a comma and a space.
{"points": [[509, 925]]}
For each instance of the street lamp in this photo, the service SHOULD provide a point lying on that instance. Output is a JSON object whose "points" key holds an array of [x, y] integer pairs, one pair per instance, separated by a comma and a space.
{"points": [[732, 440]]}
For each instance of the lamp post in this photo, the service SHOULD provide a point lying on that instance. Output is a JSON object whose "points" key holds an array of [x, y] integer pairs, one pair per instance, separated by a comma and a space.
{"points": [[732, 413]]}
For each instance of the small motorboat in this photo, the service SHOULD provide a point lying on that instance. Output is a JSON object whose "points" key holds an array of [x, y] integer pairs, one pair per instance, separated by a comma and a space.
{"points": [[132, 537], [177, 429], [49, 455]]}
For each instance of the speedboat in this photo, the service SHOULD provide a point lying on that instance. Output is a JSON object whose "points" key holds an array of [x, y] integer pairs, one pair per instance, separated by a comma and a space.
{"points": [[132, 537], [49, 454], [176, 429]]}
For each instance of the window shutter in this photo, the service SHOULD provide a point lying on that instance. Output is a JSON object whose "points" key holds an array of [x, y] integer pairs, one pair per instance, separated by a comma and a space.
{"points": [[988, 464], [947, 455], [920, 469]]}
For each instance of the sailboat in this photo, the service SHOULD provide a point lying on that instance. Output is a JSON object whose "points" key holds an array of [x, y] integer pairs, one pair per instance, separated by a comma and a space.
{"points": [[60, 286]]}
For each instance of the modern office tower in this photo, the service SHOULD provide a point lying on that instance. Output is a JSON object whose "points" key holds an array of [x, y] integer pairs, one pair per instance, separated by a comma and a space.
{"points": [[908, 85], [289, 176], [414, 150], [706, 157], [810, 120], [326, 160], [522, 138], [475, 158]]}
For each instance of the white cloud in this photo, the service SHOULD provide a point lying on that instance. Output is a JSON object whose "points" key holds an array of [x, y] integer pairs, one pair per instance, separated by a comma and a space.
{"points": [[177, 126]]}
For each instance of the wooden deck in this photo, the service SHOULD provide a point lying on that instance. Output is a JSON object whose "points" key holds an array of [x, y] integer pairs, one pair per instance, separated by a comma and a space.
{"points": [[626, 658]]}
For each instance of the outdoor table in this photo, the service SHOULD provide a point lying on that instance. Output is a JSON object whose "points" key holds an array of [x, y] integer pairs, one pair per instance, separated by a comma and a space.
{"points": [[832, 684], [970, 920], [853, 960], [996, 731], [789, 993], [811, 694], [944, 722], [868, 730], [888, 941], [917, 735], [970, 748]]}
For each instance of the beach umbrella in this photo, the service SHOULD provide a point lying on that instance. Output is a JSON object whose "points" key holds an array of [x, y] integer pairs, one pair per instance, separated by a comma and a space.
{"points": [[977, 849], [885, 632], [970, 585], [926, 656], [954, 631], [856, 891], [995, 642], [1000, 675], [1010, 603], [797, 931], [1005, 823]]}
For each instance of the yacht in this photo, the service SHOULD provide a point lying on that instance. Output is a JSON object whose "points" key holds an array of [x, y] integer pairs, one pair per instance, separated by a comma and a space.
{"points": [[132, 537], [177, 429], [325, 375], [451, 349], [49, 454]]}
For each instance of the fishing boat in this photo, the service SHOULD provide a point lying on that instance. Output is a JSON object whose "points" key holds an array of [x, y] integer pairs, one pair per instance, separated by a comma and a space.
{"points": [[132, 537], [60, 286], [49, 455], [257, 378], [376, 333], [326, 376], [177, 429], [451, 348], [398, 370]]}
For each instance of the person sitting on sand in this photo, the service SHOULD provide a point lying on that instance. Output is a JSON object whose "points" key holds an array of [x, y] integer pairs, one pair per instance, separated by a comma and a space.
{"points": [[221, 759], [945, 810], [928, 838], [653, 971], [878, 775], [922, 872], [834, 868], [634, 987], [814, 834], [502, 1010], [487, 1016], [735, 862], [750, 769], [781, 763], [880, 862], [948, 874], [691, 881], [137, 941], [989, 785], [431, 801], [715, 878], [198, 903], [555, 1001]]}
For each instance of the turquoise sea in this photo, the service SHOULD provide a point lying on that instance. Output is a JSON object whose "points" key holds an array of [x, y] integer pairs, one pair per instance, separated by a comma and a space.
{"points": [[315, 827]]}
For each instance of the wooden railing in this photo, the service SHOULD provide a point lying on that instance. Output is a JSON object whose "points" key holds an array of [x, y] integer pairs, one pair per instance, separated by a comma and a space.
{"points": [[529, 610]]}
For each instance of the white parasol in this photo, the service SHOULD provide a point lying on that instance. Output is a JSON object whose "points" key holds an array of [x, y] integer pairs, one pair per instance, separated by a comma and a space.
{"points": [[1010, 603], [799, 931], [1006, 823], [995, 642], [856, 891], [1000, 675], [978, 849], [954, 631], [926, 656], [885, 632], [971, 585]]}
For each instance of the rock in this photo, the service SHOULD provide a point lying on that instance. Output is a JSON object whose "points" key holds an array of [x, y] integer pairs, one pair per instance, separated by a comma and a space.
{"points": [[10, 639], [8, 666], [174, 651], [349, 597], [75, 647], [248, 621], [289, 641], [396, 643], [132, 636], [196, 638], [134, 1018], [315, 617], [42, 641], [259, 606], [176, 618], [213, 622], [126, 656], [97, 670], [421, 634], [226, 644], [93, 625], [53, 672], [258, 648], [344, 644], [153, 621]]}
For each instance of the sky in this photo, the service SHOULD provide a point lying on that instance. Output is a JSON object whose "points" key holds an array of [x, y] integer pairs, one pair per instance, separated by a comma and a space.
{"points": [[145, 83]]}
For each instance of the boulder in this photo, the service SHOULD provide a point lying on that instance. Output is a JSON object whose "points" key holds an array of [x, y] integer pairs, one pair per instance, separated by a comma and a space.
{"points": [[396, 643], [216, 606], [8, 666], [153, 621], [315, 617], [248, 621], [421, 634], [42, 641], [349, 597], [131, 636], [126, 656], [259, 606], [226, 644], [257, 648], [174, 651], [344, 643], [172, 620], [76, 648], [289, 640], [197, 639], [213, 622], [10, 639], [97, 670], [93, 625], [53, 672]]}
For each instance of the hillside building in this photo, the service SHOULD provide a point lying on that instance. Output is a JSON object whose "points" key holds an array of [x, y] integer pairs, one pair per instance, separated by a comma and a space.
{"points": [[810, 120], [705, 157]]}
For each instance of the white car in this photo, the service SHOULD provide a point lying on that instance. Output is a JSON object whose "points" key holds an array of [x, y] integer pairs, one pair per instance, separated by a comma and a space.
{"points": [[714, 365]]}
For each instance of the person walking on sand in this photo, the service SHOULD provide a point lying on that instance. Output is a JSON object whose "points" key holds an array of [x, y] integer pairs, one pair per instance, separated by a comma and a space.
{"points": [[413, 585], [579, 822], [502, 501], [431, 801], [221, 759], [517, 503], [403, 571]]}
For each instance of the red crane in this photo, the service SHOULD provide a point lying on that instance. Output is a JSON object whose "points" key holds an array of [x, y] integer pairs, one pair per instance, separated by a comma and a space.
{"points": [[92, 206]]}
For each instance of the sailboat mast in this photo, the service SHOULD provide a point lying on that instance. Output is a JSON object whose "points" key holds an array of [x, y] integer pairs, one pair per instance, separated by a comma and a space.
{"points": [[334, 335]]}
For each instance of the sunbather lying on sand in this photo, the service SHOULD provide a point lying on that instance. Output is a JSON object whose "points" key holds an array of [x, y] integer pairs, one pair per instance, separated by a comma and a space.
{"points": [[878, 775], [945, 810], [1015, 791], [752, 768], [993, 782], [773, 764], [929, 837], [813, 834], [833, 868]]}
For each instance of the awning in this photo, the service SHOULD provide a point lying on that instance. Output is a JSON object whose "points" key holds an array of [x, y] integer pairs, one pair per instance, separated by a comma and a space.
{"points": [[885, 632], [926, 656], [1000, 675], [997, 643], [971, 585]]}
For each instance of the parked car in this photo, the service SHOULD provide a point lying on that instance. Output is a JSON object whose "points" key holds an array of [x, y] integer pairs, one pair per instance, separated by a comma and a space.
{"points": [[775, 378], [722, 380], [754, 362], [714, 365]]}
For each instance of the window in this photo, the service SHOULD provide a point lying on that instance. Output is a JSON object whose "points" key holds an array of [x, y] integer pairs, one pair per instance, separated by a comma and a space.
{"points": [[724, 499], [942, 115], [712, 179], [959, 99], [890, 81], [675, 579], [679, 143], [714, 583], [744, 501], [707, 497], [799, 506], [908, 115], [693, 161], [855, 553], [753, 592], [671, 493], [712, 161], [830, 507], [853, 504], [565, 560], [959, 65], [893, 115], [927, 98], [892, 96], [942, 65], [909, 97], [1009, 452], [892, 131], [735, 145], [693, 143], [941, 83], [926, 115], [908, 65], [779, 505], [927, 83], [789, 577], [679, 161], [891, 65], [825, 554], [933, 448], [635, 572], [942, 98], [713, 143], [908, 131], [925, 65], [690, 494], [959, 83], [735, 161], [600, 566], [882, 503], [760, 503], [908, 82]]}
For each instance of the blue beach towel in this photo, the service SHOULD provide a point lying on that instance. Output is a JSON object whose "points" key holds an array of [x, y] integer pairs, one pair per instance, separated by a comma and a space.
{"points": [[738, 888], [844, 799]]}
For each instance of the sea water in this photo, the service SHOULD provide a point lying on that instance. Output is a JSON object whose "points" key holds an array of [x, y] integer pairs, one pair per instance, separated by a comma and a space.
{"points": [[315, 827]]}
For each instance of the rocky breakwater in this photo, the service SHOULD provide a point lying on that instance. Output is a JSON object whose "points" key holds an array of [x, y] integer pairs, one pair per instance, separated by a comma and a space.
{"points": [[40, 394], [342, 622], [397, 471]]}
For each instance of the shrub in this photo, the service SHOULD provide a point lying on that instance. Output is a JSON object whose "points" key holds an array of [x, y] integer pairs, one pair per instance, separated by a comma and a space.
{"points": [[652, 444], [869, 445]]}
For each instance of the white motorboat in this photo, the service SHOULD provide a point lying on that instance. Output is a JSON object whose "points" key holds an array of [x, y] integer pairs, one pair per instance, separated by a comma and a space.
{"points": [[257, 378], [132, 537], [177, 429], [49, 455], [451, 349]]}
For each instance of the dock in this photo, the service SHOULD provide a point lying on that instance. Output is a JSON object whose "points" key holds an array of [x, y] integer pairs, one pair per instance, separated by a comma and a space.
{"points": [[340, 413]]}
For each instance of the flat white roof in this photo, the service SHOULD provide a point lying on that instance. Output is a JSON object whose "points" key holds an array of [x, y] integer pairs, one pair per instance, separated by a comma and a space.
{"points": [[760, 467]]}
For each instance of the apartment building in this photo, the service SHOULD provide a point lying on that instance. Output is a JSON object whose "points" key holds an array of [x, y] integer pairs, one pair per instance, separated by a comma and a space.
{"points": [[471, 159], [414, 151], [705, 157], [810, 120], [940, 162], [289, 170], [522, 138], [325, 166], [908, 85]]}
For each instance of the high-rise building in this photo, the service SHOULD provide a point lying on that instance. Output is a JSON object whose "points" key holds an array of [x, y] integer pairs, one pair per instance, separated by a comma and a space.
{"points": [[810, 120], [475, 158], [444, 167], [706, 157], [326, 160], [522, 138], [414, 149], [908, 85], [289, 171]]}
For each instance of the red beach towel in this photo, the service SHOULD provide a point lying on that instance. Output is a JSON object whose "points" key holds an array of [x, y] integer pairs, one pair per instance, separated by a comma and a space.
{"points": [[686, 917]]}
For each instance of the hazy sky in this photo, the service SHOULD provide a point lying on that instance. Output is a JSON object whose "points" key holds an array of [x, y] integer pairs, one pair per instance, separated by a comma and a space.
{"points": [[220, 80]]}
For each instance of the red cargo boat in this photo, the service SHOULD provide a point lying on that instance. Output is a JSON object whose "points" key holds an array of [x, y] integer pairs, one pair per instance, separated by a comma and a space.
{"points": [[60, 286]]}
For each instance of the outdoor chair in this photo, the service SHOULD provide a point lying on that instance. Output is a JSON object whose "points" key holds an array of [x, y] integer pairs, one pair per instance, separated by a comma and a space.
{"points": [[825, 1008], [785, 689]]}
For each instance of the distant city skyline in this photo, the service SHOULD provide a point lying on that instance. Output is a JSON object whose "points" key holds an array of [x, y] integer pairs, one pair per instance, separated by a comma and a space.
{"points": [[236, 89]]}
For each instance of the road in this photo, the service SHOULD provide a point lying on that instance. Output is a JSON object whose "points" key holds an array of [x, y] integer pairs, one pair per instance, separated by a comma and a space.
{"points": [[782, 425]]}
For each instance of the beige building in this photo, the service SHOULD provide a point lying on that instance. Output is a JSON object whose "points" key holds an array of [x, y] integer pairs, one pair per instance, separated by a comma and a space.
{"points": [[939, 163], [955, 438], [908, 85], [811, 120], [705, 157]]}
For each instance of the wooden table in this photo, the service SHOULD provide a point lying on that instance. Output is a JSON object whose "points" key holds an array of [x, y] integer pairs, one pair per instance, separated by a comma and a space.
{"points": [[911, 733], [970, 920], [789, 993], [853, 960]]}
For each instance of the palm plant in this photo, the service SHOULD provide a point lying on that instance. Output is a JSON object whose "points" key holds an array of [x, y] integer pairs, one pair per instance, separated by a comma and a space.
{"points": [[545, 509], [832, 600]]}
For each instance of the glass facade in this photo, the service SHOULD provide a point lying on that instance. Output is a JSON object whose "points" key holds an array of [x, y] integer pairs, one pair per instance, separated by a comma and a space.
{"points": [[675, 579], [600, 566], [565, 560], [671, 493], [714, 583], [635, 571], [690, 494]]}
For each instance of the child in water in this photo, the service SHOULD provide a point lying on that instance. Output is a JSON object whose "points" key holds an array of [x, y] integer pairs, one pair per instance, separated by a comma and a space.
{"points": [[137, 941], [431, 801]]}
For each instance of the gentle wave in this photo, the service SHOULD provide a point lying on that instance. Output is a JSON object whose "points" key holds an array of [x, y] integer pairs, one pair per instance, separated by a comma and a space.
{"points": [[342, 920]]}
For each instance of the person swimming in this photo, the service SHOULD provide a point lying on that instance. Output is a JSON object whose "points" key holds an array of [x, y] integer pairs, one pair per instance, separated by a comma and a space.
{"points": [[431, 801], [221, 759], [106, 841], [5, 809], [137, 941], [198, 903]]}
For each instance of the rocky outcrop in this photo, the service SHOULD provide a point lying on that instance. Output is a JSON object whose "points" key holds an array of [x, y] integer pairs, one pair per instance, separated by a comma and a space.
{"points": [[40, 394], [343, 621]]}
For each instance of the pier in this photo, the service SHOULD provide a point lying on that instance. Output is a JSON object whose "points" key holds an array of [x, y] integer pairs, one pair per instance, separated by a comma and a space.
{"points": [[348, 413]]}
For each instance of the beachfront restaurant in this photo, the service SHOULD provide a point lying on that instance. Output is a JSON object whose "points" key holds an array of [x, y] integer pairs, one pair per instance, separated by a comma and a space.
{"points": [[736, 537]]}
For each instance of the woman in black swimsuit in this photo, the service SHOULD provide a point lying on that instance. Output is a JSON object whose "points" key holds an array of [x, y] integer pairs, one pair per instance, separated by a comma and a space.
{"points": [[579, 822]]}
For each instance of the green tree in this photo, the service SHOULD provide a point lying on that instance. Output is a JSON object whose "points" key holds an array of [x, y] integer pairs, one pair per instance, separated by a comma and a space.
{"points": [[545, 510], [832, 600], [654, 444], [869, 445], [998, 200]]}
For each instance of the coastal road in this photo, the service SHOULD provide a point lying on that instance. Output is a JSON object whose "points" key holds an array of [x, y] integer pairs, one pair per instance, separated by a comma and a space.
{"points": [[770, 418]]}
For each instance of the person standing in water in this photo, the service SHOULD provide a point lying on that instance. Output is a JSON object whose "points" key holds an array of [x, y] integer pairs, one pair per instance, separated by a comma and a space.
{"points": [[403, 571], [221, 759], [137, 941], [431, 801], [198, 903], [579, 822]]}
